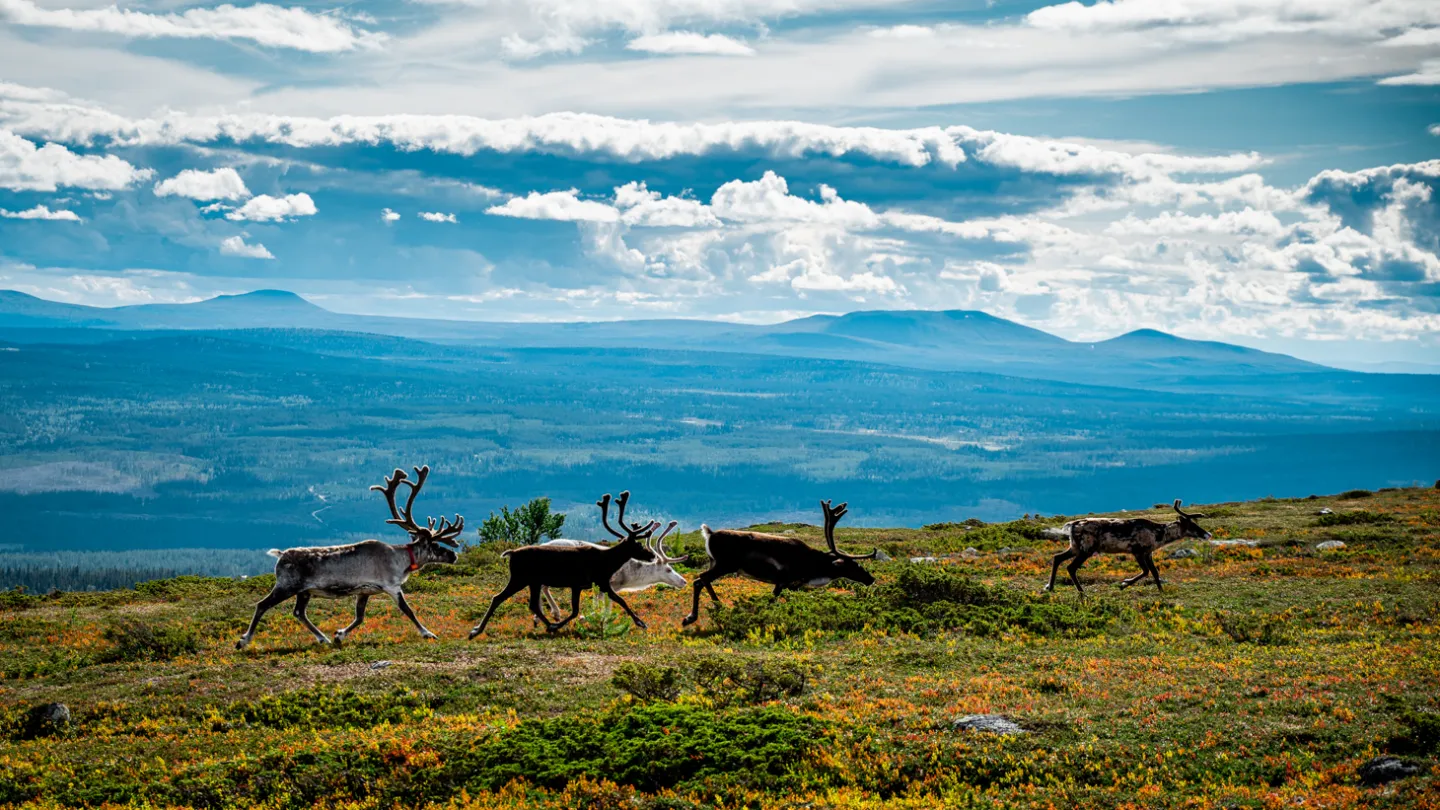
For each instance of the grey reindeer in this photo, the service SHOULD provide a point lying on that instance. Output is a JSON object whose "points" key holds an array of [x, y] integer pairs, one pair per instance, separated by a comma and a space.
{"points": [[362, 569], [1137, 536]]}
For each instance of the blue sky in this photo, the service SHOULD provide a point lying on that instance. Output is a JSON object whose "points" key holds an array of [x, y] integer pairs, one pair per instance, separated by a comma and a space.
{"points": [[1257, 171]]}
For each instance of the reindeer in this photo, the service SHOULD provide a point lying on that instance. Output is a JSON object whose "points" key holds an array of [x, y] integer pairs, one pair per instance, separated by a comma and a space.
{"points": [[575, 567], [634, 575], [785, 562], [1138, 536], [361, 569]]}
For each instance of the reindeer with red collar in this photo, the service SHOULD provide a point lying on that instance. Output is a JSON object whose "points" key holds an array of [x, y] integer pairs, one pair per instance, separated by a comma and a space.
{"points": [[362, 569]]}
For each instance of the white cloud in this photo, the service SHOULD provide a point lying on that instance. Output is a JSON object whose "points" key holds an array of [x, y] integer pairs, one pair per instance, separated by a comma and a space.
{"points": [[1415, 38], [236, 246], [265, 208], [1435, 130], [41, 212], [1227, 20], [518, 47], [642, 207], [26, 167], [689, 42], [562, 206], [436, 216], [903, 32], [1248, 222], [220, 184], [1428, 74], [262, 23], [387, 216]]}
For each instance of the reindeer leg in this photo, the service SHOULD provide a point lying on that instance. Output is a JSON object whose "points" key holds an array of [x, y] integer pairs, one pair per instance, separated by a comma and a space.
{"points": [[575, 594], [511, 588], [1054, 569], [271, 599], [360, 602], [615, 597], [399, 597], [702, 581], [550, 601], [301, 603], [1149, 562], [779, 589], [1075, 566], [710, 589], [1144, 571]]}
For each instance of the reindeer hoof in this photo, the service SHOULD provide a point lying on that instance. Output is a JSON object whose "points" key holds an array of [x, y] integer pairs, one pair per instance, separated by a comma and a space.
{"points": [[641, 625], [473, 634], [688, 620], [242, 643]]}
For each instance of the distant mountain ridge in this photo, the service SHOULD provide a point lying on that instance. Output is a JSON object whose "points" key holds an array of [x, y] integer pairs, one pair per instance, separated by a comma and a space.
{"points": [[953, 340]]}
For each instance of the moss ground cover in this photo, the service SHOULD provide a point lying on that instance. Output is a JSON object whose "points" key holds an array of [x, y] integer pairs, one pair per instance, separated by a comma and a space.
{"points": [[1263, 676]]}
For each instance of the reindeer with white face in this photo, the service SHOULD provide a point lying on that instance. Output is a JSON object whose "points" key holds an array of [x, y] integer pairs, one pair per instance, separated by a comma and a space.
{"points": [[1138, 536], [362, 569], [634, 575]]}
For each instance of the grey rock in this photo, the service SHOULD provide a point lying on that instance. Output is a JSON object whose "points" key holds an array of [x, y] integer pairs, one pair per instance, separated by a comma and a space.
{"points": [[923, 560], [47, 720], [380, 665], [970, 553], [1330, 545], [1009, 550], [1183, 553], [881, 556], [1383, 770], [1239, 541], [1326, 511], [989, 724]]}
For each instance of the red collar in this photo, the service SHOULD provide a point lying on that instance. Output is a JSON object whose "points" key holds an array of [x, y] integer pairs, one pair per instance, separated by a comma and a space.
{"points": [[410, 549]]}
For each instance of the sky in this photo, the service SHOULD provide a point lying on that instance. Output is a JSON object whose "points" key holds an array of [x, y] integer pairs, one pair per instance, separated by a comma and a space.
{"points": [[1262, 172]]}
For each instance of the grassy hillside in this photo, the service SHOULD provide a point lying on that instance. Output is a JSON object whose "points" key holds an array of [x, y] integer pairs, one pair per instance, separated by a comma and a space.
{"points": [[1263, 676]]}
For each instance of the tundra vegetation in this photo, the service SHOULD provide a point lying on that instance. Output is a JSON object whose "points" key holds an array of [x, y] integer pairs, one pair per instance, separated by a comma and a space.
{"points": [[1264, 675]]}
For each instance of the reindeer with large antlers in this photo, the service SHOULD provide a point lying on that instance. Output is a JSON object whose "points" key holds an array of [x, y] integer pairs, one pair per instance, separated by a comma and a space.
{"points": [[362, 569], [634, 575], [578, 568], [785, 562]]}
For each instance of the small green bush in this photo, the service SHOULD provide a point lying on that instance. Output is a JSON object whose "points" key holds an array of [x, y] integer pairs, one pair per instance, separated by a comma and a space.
{"points": [[17, 599], [327, 707], [1359, 516], [1421, 734], [645, 682], [1266, 631], [729, 682], [1354, 495], [525, 526], [136, 640]]}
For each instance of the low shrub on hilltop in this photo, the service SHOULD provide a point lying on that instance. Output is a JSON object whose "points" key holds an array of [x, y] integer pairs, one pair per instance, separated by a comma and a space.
{"points": [[921, 599]]}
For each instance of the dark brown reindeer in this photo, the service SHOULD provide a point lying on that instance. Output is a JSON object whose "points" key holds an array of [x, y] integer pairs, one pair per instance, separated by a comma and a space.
{"points": [[1138, 536], [785, 562], [578, 568], [361, 569]]}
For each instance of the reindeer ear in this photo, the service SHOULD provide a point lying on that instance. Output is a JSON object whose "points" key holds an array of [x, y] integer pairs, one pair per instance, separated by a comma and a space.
{"points": [[1177, 504]]}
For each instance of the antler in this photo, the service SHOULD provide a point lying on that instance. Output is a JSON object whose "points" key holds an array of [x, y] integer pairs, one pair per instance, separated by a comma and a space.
{"points": [[832, 517], [1191, 515], [444, 532], [632, 531], [659, 546]]}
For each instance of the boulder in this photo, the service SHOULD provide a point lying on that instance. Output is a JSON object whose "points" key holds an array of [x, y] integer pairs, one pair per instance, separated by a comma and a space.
{"points": [[970, 553], [380, 665], [1383, 770], [1330, 545], [923, 560], [1183, 553], [1239, 541], [1326, 511], [881, 556], [47, 720], [988, 724]]}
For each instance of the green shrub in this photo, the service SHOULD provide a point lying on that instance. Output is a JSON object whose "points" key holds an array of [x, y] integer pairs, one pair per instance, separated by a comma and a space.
{"points": [[328, 707], [1371, 536], [1266, 631], [729, 682], [17, 599], [1421, 734], [136, 640], [1354, 495], [651, 747], [1359, 516], [645, 682], [525, 526], [177, 589], [922, 599]]}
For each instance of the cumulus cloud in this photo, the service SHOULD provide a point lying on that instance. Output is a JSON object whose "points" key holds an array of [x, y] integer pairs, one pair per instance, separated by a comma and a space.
{"points": [[436, 216], [1226, 20], [41, 212], [27, 167], [236, 246], [1435, 130], [562, 206], [1428, 74], [265, 208], [218, 184], [387, 216], [689, 42], [518, 47], [264, 24]]}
